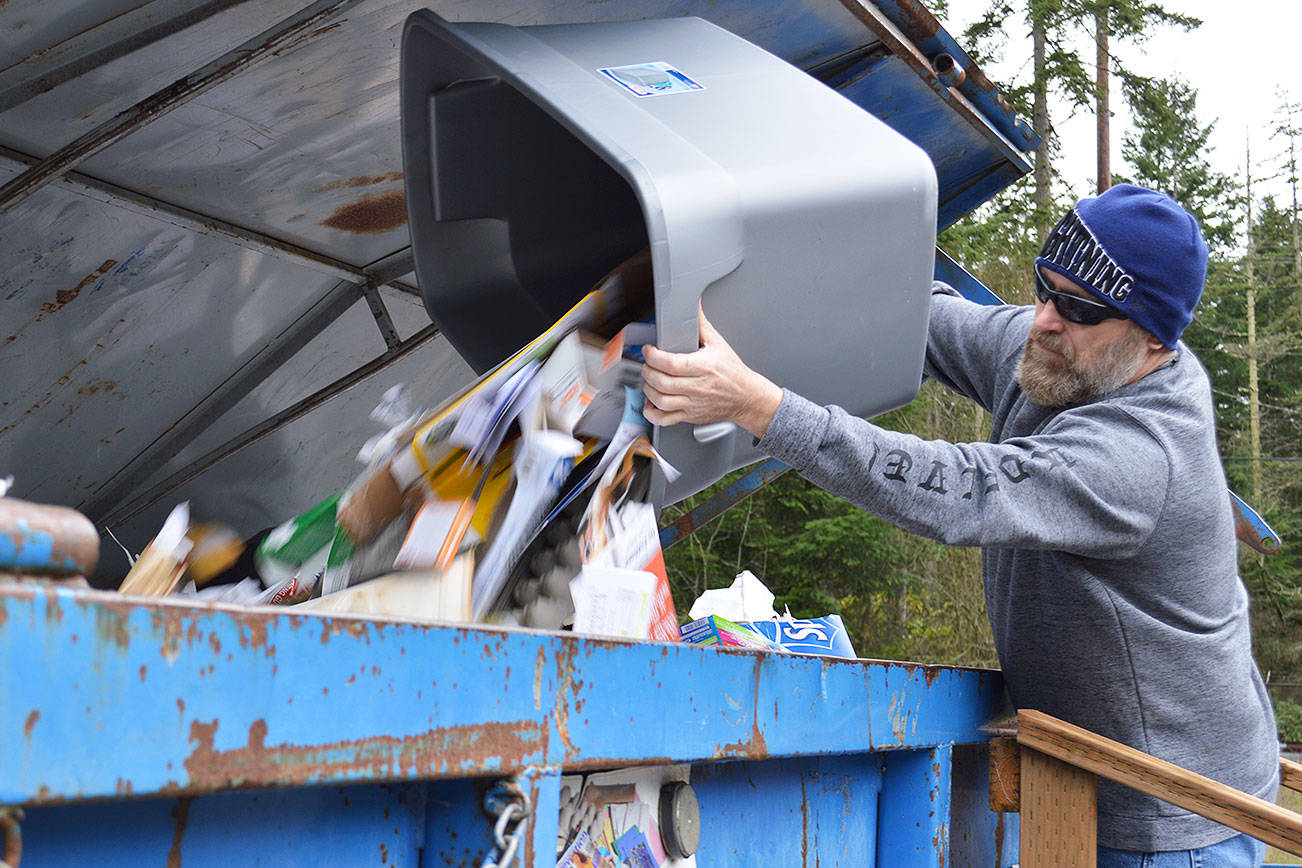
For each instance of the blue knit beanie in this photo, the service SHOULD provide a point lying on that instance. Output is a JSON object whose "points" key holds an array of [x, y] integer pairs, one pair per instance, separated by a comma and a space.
{"points": [[1138, 251]]}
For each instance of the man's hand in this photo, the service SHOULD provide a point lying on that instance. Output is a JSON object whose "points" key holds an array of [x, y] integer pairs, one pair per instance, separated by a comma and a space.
{"points": [[710, 385]]}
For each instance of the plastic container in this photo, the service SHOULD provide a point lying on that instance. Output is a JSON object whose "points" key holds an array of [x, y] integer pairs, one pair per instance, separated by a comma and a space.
{"points": [[539, 158]]}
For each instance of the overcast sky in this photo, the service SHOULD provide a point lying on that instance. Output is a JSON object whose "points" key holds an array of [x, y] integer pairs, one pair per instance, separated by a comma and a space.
{"points": [[1236, 70]]}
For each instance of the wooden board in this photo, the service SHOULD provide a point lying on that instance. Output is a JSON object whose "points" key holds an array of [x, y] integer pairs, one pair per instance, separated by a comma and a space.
{"points": [[1059, 813], [1005, 775], [1264, 821]]}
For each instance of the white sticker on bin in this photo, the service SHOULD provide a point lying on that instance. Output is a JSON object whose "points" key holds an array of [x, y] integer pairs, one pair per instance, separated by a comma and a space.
{"points": [[650, 79]]}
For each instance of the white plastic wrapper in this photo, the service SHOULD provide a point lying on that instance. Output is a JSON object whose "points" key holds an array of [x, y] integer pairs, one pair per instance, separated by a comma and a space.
{"points": [[748, 599]]}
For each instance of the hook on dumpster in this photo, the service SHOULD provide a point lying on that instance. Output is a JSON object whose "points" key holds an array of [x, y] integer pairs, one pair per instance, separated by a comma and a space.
{"points": [[509, 803]]}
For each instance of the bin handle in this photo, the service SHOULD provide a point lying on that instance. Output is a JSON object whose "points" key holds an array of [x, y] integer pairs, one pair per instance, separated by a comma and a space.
{"points": [[714, 431]]}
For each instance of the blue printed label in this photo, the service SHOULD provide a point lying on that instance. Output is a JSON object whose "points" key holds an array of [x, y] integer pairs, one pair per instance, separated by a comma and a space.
{"points": [[650, 79]]}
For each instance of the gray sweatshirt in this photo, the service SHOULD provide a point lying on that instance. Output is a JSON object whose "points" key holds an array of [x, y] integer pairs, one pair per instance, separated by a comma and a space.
{"points": [[1109, 555]]}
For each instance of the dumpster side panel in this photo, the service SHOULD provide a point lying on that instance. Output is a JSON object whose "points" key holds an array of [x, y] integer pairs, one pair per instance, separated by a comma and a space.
{"points": [[166, 699], [364, 825], [913, 814], [789, 812]]}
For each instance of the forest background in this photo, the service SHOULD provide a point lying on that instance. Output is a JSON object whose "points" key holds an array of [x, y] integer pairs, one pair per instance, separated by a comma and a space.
{"points": [[905, 597]]}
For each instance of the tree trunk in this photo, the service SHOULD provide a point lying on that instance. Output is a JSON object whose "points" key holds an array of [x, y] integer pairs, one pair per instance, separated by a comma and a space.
{"points": [[1254, 391], [1103, 117], [1292, 183], [1040, 122]]}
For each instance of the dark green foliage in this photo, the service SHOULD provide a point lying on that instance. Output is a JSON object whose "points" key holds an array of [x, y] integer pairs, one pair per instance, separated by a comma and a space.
{"points": [[900, 596], [1288, 719]]}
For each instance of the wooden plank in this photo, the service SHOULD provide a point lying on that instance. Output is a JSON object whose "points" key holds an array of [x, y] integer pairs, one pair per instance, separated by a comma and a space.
{"points": [[1060, 818], [1290, 775], [1005, 775], [1277, 826]]}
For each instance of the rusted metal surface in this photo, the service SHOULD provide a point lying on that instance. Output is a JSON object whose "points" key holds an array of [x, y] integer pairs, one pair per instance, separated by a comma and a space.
{"points": [[48, 76], [45, 540], [131, 508], [182, 814], [372, 214], [929, 40], [224, 699], [205, 224], [108, 497], [1252, 529], [203, 79], [916, 796], [440, 752]]}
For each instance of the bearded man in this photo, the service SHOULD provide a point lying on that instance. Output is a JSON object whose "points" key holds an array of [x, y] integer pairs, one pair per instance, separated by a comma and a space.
{"points": [[1109, 555]]}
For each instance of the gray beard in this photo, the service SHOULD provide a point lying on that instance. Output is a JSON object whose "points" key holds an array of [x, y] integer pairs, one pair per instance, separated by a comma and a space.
{"points": [[1051, 381]]}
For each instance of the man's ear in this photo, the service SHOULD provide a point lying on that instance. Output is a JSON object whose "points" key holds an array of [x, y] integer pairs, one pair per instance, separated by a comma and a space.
{"points": [[1155, 344]]}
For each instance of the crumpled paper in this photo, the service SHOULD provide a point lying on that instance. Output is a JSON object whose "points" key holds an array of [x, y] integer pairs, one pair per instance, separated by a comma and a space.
{"points": [[748, 599]]}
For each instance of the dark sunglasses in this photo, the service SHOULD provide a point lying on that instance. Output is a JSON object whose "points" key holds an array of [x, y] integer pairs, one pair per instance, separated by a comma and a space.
{"points": [[1073, 308]]}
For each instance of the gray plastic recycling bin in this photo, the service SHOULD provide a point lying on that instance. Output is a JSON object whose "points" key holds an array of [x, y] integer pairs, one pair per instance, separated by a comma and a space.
{"points": [[539, 158]]}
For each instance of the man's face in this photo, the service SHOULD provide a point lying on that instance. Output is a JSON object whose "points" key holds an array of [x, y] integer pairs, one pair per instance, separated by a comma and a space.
{"points": [[1067, 363]]}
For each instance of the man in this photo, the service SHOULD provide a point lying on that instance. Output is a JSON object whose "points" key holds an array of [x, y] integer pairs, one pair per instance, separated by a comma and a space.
{"points": [[1109, 555]]}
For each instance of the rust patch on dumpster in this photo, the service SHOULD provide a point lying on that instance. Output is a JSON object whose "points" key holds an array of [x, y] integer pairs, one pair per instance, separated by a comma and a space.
{"points": [[53, 610], [181, 813], [757, 747], [453, 749], [32, 717], [804, 823], [256, 629], [64, 297], [175, 632], [111, 626], [564, 684], [920, 24], [354, 627], [370, 214]]}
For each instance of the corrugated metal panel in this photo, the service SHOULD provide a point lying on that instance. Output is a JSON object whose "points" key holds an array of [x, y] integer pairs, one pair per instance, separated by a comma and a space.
{"points": [[117, 317]]}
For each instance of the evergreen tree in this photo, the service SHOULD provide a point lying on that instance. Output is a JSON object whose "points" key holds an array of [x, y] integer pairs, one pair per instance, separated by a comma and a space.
{"points": [[1057, 69], [1168, 151], [1124, 19]]}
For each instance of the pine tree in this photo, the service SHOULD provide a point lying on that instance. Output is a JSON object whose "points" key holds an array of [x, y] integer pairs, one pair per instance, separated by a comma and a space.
{"points": [[1168, 151], [1125, 20], [1057, 71]]}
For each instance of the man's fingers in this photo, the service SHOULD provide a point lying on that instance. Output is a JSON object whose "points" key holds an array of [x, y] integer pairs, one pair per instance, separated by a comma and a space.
{"points": [[656, 416], [666, 401], [666, 383], [709, 334], [674, 364]]}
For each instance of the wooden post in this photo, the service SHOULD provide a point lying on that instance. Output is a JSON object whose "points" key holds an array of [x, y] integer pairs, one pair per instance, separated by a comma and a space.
{"points": [[1005, 776], [1059, 813]]}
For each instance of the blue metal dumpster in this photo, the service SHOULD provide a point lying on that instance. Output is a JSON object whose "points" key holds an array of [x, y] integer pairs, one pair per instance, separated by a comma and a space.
{"points": [[189, 309], [159, 734]]}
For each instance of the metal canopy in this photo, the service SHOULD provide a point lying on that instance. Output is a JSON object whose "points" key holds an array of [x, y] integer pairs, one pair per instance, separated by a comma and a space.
{"points": [[172, 319]]}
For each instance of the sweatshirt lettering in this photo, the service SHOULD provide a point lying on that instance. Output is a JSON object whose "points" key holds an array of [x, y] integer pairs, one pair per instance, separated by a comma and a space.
{"points": [[974, 481]]}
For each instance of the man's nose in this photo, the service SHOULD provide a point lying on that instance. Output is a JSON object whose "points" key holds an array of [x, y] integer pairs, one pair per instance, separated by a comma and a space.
{"points": [[1047, 317]]}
